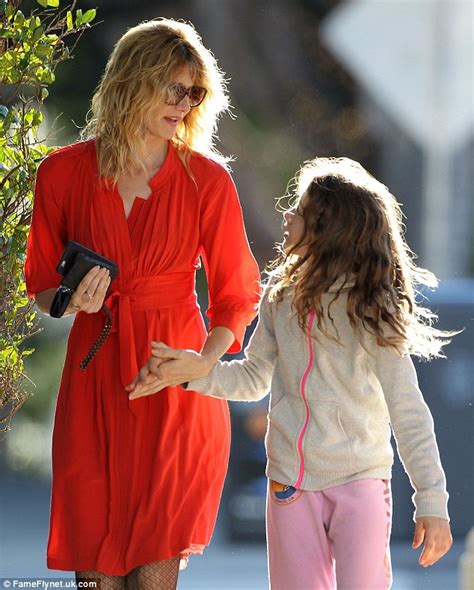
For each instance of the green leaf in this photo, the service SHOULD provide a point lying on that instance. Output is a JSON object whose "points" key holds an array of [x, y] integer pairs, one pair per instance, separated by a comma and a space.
{"points": [[24, 62], [89, 16], [33, 118], [44, 93], [37, 34], [15, 77], [43, 51], [19, 19], [43, 3], [44, 74], [53, 3], [78, 17], [37, 118], [69, 23], [52, 39]]}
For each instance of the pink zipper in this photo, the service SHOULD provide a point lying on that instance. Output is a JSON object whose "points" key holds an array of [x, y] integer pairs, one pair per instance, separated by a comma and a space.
{"points": [[303, 395]]}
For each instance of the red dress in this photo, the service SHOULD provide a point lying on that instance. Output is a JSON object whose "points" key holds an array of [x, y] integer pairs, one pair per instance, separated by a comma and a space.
{"points": [[139, 481]]}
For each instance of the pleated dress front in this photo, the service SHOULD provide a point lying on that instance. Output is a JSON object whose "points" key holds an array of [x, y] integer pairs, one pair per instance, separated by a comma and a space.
{"points": [[136, 481]]}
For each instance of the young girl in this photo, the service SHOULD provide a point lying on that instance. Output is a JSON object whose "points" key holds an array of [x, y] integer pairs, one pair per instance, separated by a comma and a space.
{"points": [[337, 324]]}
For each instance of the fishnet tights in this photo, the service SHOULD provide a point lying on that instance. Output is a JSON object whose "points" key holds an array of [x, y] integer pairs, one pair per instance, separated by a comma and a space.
{"points": [[159, 575], [104, 582]]}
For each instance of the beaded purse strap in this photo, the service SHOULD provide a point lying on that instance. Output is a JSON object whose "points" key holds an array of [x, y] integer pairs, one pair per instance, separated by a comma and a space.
{"points": [[100, 340]]}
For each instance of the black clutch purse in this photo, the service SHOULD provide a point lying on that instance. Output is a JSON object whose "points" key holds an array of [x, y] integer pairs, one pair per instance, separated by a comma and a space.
{"points": [[76, 261]]}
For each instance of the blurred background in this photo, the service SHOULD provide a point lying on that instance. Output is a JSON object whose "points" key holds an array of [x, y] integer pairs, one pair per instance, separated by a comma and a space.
{"points": [[387, 82]]}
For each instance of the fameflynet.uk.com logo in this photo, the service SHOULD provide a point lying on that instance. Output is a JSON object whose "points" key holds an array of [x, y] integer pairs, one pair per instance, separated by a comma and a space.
{"points": [[46, 584]]}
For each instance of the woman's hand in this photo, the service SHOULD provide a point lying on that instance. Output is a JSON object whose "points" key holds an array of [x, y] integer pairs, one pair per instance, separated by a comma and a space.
{"points": [[168, 367], [436, 535], [90, 293]]}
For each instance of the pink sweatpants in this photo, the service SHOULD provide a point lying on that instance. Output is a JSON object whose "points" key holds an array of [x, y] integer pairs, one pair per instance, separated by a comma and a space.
{"points": [[335, 538]]}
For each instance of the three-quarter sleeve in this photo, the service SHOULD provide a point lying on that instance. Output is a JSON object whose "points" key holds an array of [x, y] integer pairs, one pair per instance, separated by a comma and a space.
{"points": [[47, 236], [232, 273]]}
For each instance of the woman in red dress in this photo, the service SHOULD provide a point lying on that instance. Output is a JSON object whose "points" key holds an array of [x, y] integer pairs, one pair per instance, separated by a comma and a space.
{"points": [[137, 482]]}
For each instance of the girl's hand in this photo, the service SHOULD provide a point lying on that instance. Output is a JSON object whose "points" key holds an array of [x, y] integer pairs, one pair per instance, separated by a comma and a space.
{"points": [[168, 367], [436, 534], [90, 293]]}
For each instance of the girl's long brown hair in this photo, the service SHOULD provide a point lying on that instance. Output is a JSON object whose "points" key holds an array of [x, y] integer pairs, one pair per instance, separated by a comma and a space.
{"points": [[136, 78], [353, 239]]}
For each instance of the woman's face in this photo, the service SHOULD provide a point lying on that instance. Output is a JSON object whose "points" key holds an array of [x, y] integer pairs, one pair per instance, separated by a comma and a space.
{"points": [[293, 227], [164, 118]]}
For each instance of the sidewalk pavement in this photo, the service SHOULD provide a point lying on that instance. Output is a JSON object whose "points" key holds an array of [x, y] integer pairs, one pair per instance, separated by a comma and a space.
{"points": [[224, 566]]}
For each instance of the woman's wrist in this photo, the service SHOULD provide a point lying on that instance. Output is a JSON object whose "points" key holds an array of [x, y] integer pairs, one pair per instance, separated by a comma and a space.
{"points": [[209, 359], [218, 342], [70, 309], [43, 299], [202, 368]]}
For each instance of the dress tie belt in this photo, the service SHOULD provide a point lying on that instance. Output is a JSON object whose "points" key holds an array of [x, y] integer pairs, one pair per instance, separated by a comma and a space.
{"points": [[145, 294]]}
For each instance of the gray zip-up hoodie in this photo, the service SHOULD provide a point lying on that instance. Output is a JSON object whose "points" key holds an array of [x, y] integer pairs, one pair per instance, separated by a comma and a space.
{"points": [[332, 405]]}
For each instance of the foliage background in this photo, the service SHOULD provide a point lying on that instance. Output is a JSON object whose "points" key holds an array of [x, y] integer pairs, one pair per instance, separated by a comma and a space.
{"points": [[32, 45]]}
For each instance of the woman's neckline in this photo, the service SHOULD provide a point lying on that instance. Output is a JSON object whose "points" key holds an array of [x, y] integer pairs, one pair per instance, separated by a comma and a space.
{"points": [[160, 176]]}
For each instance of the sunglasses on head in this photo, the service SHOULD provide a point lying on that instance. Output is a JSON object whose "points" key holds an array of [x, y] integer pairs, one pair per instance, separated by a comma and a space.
{"points": [[177, 92]]}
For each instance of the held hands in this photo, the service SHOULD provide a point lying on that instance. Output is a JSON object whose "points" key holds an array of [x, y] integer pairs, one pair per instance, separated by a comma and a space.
{"points": [[168, 367], [90, 293], [436, 535]]}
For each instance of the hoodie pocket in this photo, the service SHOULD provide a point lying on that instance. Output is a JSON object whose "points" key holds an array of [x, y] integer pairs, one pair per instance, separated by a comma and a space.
{"points": [[327, 447], [285, 419]]}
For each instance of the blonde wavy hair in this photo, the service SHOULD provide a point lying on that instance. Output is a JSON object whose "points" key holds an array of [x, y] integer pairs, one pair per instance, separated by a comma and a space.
{"points": [[353, 240], [139, 71]]}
